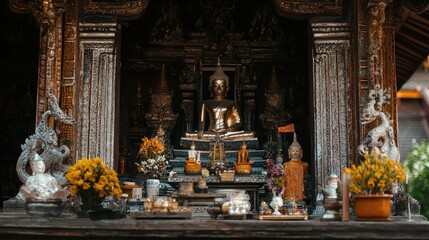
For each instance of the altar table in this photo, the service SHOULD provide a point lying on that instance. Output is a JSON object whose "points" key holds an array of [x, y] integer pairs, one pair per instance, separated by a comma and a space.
{"points": [[21, 226]]}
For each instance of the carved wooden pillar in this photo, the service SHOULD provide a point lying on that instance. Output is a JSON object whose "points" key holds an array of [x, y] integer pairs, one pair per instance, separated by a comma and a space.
{"points": [[333, 100], [377, 55], [68, 90], [188, 88], [49, 14], [247, 95], [98, 91]]}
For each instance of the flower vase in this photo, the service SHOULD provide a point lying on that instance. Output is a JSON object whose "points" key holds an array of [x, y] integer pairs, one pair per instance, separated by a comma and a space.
{"points": [[372, 207], [89, 200], [275, 203], [152, 187]]}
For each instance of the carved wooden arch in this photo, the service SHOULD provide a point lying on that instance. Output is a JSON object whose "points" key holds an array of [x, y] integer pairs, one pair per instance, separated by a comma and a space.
{"points": [[307, 8], [125, 10]]}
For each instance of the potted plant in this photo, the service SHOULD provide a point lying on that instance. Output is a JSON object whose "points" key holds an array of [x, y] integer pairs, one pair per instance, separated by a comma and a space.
{"points": [[91, 180], [371, 185]]}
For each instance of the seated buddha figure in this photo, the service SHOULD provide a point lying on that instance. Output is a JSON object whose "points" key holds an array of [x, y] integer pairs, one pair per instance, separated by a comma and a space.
{"points": [[41, 185], [223, 114], [243, 167], [193, 162], [294, 171]]}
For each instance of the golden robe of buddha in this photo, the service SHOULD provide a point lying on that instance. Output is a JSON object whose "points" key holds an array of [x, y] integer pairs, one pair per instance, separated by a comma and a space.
{"points": [[223, 114], [243, 166], [294, 171]]}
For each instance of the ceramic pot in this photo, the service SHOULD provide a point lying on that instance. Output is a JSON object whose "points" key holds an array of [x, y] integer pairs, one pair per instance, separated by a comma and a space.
{"points": [[152, 187], [372, 207]]}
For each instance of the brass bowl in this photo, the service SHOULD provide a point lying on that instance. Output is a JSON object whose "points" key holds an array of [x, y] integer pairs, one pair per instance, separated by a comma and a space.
{"points": [[219, 201], [213, 211]]}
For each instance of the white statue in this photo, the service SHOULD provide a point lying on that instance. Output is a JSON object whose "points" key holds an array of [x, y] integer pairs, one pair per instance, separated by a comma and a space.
{"points": [[41, 185], [331, 187], [275, 203], [194, 154]]}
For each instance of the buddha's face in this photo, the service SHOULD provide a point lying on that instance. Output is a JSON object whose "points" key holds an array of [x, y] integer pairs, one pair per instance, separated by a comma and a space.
{"points": [[295, 152], [219, 87], [38, 167], [333, 183]]}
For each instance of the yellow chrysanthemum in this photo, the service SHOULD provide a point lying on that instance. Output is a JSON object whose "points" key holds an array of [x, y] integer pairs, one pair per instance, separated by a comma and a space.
{"points": [[375, 175], [92, 175]]}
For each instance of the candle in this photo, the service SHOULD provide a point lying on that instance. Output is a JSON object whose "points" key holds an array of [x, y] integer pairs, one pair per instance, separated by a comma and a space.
{"points": [[202, 113], [214, 152], [346, 198]]}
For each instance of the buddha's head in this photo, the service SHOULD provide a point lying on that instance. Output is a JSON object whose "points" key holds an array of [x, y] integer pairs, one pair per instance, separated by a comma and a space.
{"points": [[332, 181], [295, 150], [243, 146], [219, 82], [192, 146], [37, 164]]}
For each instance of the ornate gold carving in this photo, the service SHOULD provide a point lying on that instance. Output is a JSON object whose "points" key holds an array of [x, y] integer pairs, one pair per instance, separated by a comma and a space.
{"points": [[125, 9], [49, 14], [307, 8], [375, 18], [69, 71]]}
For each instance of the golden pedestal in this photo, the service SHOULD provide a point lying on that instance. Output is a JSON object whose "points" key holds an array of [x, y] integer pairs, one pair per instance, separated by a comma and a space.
{"points": [[243, 169], [192, 168]]}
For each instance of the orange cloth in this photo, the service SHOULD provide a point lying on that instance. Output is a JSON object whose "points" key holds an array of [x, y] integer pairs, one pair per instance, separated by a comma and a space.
{"points": [[294, 171], [287, 128]]}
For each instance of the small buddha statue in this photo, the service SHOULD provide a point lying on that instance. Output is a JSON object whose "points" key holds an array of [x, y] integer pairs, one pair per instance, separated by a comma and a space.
{"points": [[331, 189], [41, 185], [193, 163], [223, 114], [243, 166], [294, 171], [332, 201]]}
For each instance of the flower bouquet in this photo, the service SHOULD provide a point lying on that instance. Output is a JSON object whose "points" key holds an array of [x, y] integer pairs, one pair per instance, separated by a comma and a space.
{"points": [[152, 163], [375, 175], [275, 173], [91, 180]]}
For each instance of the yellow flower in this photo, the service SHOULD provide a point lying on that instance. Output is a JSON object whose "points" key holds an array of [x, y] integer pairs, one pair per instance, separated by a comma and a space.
{"points": [[93, 175], [375, 175], [151, 159]]}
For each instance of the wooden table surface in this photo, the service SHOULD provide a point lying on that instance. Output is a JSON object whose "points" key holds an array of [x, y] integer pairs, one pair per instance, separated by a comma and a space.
{"points": [[21, 226]]}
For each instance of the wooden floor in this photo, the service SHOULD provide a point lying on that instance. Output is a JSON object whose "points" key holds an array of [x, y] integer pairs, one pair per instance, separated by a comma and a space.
{"points": [[21, 226]]}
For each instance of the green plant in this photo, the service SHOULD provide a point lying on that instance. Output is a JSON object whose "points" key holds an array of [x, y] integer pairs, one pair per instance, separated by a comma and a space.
{"points": [[417, 164]]}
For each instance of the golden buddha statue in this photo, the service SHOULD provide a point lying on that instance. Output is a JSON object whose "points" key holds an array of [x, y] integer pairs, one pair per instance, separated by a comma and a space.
{"points": [[223, 114], [294, 171], [243, 166], [193, 163]]}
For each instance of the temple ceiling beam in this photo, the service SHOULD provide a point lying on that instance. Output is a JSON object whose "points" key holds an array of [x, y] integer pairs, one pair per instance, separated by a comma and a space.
{"points": [[305, 9], [124, 10]]}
